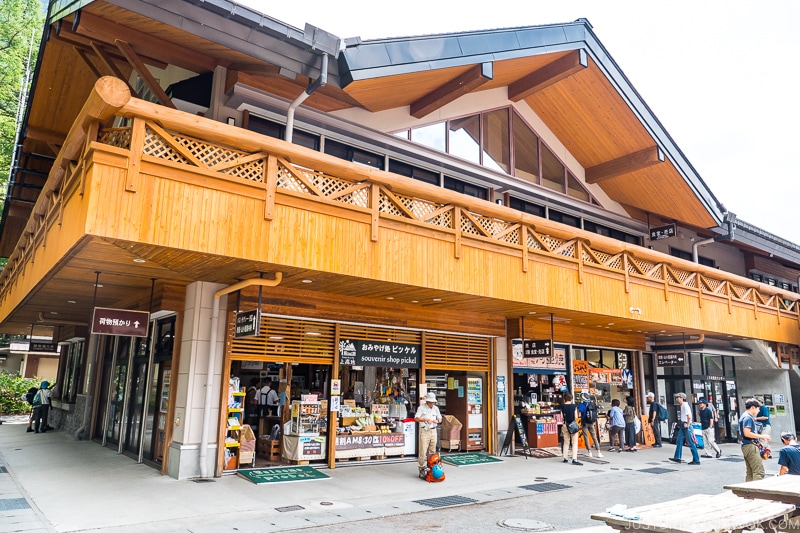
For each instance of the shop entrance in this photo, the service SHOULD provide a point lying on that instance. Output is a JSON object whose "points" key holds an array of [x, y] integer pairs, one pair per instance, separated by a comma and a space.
{"points": [[134, 393]]}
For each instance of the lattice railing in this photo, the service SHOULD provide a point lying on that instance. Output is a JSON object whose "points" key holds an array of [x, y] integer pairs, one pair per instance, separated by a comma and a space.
{"points": [[251, 166]]}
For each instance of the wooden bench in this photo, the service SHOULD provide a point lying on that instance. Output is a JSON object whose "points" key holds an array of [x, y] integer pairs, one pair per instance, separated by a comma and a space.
{"points": [[701, 513]]}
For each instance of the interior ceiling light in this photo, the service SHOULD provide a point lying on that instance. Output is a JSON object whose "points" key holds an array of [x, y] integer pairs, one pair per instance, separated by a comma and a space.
{"points": [[307, 281], [531, 312], [276, 337], [313, 333], [414, 301], [137, 260], [71, 302], [437, 299], [53, 312], [390, 297], [98, 285]]}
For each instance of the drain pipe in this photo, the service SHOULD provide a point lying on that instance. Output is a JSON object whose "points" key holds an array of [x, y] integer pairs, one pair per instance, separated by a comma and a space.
{"points": [[730, 221], [319, 82], [212, 357]]}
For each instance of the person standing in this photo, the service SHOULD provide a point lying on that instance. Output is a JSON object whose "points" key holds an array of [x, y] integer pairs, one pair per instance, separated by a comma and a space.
{"points": [[268, 399], [707, 423], [629, 415], [568, 409], [654, 419], [684, 432], [588, 411], [789, 457], [617, 420], [763, 418], [251, 403], [428, 417], [754, 465], [41, 408]]}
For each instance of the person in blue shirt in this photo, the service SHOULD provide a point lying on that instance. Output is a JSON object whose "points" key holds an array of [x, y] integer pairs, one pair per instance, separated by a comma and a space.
{"points": [[789, 457], [754, 464], [617, 420], [763, 418]]}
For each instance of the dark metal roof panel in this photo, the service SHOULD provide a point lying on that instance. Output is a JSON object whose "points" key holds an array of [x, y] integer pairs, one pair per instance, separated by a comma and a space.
{"points": [[765, 241]]}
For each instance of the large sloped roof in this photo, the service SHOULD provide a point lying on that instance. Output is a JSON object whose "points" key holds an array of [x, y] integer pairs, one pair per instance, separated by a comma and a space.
{"points": [[561, 71]]}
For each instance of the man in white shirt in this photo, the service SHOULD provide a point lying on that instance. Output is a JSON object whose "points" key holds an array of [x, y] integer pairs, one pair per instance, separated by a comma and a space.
{"points": [[429, 417], [268, 399], [684, 432]]}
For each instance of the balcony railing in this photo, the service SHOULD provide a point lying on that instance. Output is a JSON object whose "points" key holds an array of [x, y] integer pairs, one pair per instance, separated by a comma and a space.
{"points": [[278, 168]]}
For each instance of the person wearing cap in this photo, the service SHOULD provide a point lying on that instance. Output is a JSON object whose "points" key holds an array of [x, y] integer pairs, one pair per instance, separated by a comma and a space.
{"points": [[684, 432], [789, 457], [707, 423], [428, 417], [653, 420], [754, 464], [41, 410]]}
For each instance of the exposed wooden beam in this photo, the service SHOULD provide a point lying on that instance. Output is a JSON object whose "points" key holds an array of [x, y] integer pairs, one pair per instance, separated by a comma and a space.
{"points": [[554, 72], [625, 164], [147, 46], [86, 59], [111, 67], [452, 90], [81, 42], [258, 69], [47, 136], [144, 73]]}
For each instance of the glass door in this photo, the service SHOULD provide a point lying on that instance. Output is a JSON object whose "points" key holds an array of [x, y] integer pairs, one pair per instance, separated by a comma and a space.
{"points": [[117, 391]]}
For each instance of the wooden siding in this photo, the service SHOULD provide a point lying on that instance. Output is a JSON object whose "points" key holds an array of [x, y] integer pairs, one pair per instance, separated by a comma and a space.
{"points": [[273, 206]]}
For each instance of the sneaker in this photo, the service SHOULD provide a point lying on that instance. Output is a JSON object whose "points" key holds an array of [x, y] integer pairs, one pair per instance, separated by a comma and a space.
{"points": [[590, 454], [611, 450], [29, 430], [694, 463], [599, 454], [656, 446], [707, 456], [719, 454], [675, 460], [566, 460], [576, 462]]}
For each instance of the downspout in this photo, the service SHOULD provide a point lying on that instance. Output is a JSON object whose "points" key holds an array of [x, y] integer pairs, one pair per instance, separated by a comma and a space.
{"points": [[212, 356], [730, 222], [319, 82]]}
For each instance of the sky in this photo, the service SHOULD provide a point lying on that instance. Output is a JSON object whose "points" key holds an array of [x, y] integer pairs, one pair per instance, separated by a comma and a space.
{"points": [[720, 76]]}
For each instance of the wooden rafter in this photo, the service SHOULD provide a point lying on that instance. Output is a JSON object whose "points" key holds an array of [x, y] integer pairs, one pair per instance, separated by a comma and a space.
{"points": [[144, 73], [548, 75], [452, 90], [148, 46], [625, 164], [83, 55], [108, 63]]}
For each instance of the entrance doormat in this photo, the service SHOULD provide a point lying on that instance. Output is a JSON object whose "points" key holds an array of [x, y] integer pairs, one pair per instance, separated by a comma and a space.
{"points": [[281, 475], [539, 453], [469, 459], [593, 460]]}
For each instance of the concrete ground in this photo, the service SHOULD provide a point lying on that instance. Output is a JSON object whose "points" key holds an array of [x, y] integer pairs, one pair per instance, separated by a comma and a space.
{"points": [[51, 482]]}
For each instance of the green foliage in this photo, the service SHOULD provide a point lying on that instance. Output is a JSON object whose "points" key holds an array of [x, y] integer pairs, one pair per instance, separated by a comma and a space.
{"points": [[21, 21], [12, 387]]}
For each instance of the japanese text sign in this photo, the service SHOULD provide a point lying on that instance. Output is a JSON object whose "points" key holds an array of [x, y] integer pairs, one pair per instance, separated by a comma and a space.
{"points": [[106, 321]]}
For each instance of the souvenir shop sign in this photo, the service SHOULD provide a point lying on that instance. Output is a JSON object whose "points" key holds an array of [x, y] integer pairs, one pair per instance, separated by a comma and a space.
{"points": [[377, 353], [580, 375], [670, 359], [378, 440], [535, 348], [557, 360]]}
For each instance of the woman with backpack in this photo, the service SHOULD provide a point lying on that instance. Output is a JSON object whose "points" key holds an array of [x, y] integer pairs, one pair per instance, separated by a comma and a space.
{"points": [[588, 412], [28, 398]]}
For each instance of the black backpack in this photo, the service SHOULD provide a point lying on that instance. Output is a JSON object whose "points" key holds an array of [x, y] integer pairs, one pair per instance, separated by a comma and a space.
{"points": [[590, 415], [31, 394]]}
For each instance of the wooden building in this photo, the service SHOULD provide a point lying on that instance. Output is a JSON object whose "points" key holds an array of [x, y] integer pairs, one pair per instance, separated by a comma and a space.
{"points": [[446, 196]]}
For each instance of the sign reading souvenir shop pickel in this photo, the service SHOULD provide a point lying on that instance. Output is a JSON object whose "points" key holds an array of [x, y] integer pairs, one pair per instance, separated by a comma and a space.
{"points": [[123, 322], [377, 353]]}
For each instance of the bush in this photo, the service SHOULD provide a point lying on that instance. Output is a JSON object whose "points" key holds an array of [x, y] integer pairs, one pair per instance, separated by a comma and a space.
{"points": [[12, 387]]}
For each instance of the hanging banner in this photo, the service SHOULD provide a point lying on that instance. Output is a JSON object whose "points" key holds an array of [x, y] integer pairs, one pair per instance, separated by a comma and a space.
{"points": [[246, 325], [557, 360], [124, 322], [580, 375], [377, 353]]}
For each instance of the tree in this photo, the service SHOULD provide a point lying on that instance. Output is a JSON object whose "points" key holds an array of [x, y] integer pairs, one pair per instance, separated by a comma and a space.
{"points": [[21, 23]]}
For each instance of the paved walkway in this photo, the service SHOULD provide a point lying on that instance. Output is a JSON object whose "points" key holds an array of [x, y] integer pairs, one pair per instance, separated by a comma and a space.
{"points": [[51, 482]]}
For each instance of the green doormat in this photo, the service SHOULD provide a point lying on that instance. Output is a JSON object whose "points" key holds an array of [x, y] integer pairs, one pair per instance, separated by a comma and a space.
{"points": [[469, 459], [282, 474]]}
